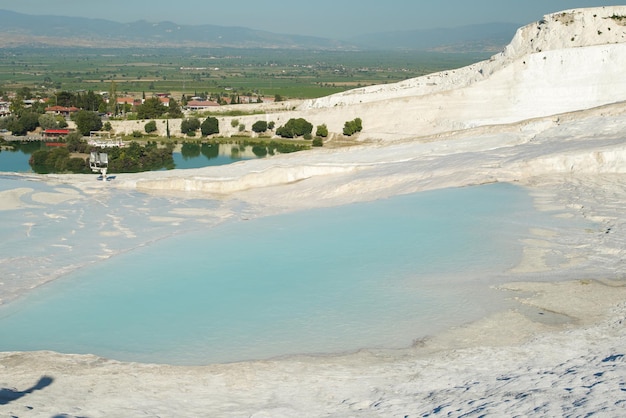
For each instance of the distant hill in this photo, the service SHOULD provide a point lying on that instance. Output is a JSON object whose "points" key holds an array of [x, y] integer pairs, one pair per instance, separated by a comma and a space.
{"points": [[484, 37], [17, 29]]}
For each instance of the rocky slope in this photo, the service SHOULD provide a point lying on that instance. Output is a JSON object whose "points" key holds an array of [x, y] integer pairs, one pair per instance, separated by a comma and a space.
{"points": [[568, 61]]}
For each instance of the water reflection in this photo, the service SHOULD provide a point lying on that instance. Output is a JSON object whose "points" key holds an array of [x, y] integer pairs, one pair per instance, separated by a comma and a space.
{"points": [[196, 155], [15, 157]]}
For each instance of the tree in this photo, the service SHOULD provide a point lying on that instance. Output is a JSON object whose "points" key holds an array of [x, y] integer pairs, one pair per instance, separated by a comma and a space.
{"points": [[189, 125], [353, 126], [113, 98], [210, 126], [322, 131], [17, 106], [65, 99], [89, 101], [294, 128], [25, 93], [259, 126], [150, 127], [29, 120], [13, 124], [74, 142], [174, 110], [48, 121], [61, 122], [87, 121], [151, 109]]}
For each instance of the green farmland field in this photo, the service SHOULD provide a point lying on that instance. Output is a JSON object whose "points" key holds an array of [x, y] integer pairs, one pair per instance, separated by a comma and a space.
{"points": [[268, 72]]}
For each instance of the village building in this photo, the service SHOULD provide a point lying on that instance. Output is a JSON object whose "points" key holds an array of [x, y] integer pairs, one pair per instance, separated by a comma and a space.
{"points": [[201, 105], [55, 133], [66, 112]]}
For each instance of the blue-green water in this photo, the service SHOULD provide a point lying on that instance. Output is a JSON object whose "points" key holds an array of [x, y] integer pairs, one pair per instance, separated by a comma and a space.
{"points": [[17, 160], [377, 274]]}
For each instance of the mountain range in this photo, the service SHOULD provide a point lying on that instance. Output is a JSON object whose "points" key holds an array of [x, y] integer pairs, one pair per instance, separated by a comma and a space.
{"points": [[17, 29]]}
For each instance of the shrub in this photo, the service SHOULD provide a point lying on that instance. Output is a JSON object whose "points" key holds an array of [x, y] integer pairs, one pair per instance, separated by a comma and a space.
{"points": [[210, 126], [322, 130], [234, 123], [189, 125], [242, 127], [294, 128], [318, 142], [150, 127], [137, 134], [353, 126], [259, 126]]}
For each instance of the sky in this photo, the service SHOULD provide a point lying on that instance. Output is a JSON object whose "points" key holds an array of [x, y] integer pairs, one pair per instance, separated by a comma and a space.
{"points": [[340, 19]]}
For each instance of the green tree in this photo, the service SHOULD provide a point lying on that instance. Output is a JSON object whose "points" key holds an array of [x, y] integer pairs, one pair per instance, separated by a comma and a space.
{"points": [[150, 127], [352, 126], [48, 121], [75, 143], [210, 126], [17, 106], [189, 125], [13, 124], [61, 122], [259, 126], [87, 121], [294, 128], [25, 93], [322, 131], [89, 101], [173, 110], [29, 121], [65, 99], [113, 98], [151, 109]]}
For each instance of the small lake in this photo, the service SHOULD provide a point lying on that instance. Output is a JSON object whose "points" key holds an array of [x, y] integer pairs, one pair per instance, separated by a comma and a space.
{"points": [[367, 275], [185, 156], [205, 155]]}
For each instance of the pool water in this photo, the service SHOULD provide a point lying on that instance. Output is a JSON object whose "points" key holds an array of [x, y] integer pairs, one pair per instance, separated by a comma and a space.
{"points": [[368, 275], [16, 160]]}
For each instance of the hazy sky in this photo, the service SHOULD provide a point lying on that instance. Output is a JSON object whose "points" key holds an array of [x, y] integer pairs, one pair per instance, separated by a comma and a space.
{"points": [[325, 18]]}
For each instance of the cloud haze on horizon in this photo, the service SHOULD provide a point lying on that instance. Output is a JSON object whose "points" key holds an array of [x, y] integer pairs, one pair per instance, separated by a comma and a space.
{"points": [[323, 18]]}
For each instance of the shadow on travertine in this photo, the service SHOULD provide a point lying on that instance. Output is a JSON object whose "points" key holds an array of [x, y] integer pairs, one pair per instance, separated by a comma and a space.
{"points": [[8, 395]]}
